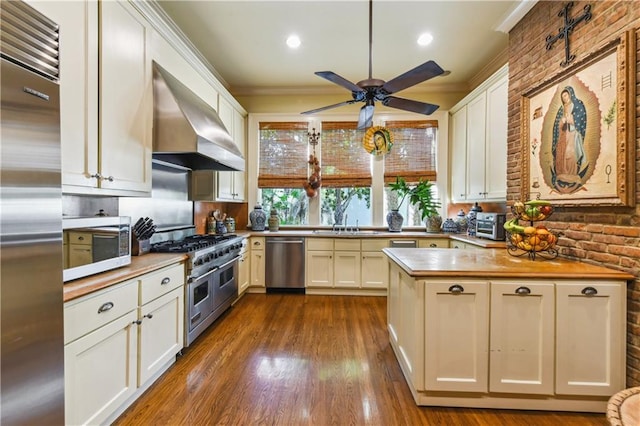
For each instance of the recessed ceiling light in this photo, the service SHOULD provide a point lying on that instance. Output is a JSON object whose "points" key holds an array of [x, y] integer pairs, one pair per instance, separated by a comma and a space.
{"points": [[425, 39], [293, 41]]}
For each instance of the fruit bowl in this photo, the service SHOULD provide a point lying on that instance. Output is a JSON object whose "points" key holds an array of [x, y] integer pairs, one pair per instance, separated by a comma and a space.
{"points": [[531, 241], [538, 239], [533, 211]]}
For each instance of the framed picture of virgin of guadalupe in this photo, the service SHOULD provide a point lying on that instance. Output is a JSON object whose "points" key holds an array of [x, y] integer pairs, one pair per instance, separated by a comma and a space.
{"points": [[578, 131]]}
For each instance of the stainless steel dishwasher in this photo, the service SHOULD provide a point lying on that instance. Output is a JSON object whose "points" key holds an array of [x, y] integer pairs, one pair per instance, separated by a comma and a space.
{"points": [[284, 269]]}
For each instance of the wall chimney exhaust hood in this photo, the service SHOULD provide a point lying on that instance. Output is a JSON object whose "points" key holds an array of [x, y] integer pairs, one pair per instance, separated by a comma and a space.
{"points": [[187, 131]]}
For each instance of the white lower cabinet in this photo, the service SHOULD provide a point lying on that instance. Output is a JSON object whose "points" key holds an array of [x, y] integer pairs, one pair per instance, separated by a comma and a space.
{"points": [[118, 341], [319, 262], [509, 342], [347, 264], [590, 338], [456, 325], [244, 269], [100, 371], [375, 268], [258, 264], [522, 337], [161, 333]]}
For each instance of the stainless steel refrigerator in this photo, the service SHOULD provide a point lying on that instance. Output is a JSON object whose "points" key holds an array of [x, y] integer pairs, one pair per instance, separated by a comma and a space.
{"points": [[31, 316]]}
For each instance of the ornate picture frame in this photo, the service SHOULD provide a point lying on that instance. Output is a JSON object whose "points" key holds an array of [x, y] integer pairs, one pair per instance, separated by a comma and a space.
{"points": [[578, 131]]}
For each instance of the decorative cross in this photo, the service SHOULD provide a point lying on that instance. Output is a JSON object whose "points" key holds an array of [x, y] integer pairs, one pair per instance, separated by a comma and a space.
{"points": [[569, 24]]}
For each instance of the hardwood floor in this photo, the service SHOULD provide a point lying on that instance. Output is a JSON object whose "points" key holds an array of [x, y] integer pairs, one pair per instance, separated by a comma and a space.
{"points": [[304, 360]]}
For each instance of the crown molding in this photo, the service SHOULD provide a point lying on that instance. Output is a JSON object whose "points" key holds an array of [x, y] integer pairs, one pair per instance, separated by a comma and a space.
{"points": [[495, 64], [317, 90], [515, 16]]}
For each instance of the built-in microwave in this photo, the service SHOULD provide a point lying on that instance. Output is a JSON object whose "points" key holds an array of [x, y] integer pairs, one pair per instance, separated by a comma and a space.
{"points": [[95, 244]]}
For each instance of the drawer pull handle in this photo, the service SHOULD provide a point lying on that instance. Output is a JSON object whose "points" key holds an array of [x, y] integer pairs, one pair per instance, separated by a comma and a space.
{"points": [[148, 316], [137, 322], [523, 291], [165, 280], [433, 245], [589, 291], [105, 307], [456, 289]]}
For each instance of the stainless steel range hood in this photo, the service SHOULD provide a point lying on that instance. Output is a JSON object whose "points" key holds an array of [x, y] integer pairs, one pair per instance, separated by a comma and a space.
{"points": [[187, 131]]}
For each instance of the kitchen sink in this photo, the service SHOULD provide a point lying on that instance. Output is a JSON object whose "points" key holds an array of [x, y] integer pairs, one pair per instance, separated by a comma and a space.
{"points": [[344, 233]]}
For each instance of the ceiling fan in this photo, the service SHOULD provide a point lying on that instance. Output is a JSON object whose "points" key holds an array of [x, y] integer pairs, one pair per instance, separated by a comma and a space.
{"points": [[373, 89]]}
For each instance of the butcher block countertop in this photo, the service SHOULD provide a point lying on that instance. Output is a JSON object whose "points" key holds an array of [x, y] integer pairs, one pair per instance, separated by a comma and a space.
{"points": [[139, 265], [366, 234], [431, 262]]}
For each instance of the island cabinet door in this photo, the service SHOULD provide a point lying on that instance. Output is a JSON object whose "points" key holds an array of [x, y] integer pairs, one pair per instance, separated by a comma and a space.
{"points": [[590, 342], [456, 335], [522, 337]]}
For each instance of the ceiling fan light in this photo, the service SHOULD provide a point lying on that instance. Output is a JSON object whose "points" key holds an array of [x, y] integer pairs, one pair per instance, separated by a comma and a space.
{"points": [[425, 39], [293, 41]]}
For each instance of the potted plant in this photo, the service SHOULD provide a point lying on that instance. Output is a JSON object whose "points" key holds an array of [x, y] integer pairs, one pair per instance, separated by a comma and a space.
{"points": [[421, 196]]}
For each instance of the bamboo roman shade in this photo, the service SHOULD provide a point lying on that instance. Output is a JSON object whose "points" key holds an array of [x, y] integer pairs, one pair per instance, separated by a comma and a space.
{"points": [[344, 162], [413, 155], [284, 152]]}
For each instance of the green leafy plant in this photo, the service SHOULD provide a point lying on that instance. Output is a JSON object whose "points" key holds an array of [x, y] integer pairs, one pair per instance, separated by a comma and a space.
{"points": [[420, 195]]}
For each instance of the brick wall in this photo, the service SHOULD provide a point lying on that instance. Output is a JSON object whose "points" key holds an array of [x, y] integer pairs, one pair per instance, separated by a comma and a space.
{"points": [[608, 236]]}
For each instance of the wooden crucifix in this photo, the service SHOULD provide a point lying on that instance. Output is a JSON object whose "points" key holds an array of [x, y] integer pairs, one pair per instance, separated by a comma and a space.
{"points": [[564, 32]]}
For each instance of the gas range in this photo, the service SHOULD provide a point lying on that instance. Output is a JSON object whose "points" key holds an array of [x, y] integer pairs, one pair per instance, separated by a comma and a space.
{"points": [[206, 252]]}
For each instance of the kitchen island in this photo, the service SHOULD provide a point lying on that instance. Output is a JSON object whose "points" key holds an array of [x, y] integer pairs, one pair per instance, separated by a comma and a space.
{"points": [[480, 328]]}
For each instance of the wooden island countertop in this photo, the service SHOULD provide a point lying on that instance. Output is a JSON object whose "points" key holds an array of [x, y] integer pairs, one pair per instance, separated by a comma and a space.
{"points": [[432, 262]]}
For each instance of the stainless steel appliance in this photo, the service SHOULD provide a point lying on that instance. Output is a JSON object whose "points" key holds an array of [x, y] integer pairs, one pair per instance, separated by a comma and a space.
{"points": [[490, 225], [284, 264], [32, 348], [95, 244], [187, 131], [403, 243], [212, 271]]}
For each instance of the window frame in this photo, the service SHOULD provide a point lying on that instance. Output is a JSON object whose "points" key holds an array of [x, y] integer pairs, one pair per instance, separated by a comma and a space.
{"points": [[378, 213]]}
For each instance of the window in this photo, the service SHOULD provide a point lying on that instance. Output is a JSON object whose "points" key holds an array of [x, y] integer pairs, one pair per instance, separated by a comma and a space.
{"points": [[283, 169], [412, 157], [346, 175], [291, 204]]}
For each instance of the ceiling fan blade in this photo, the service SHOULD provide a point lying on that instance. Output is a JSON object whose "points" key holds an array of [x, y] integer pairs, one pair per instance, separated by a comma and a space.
{"points": [[313, 111], [340, 81], [409, 105], [417, 75], [366, 117]]}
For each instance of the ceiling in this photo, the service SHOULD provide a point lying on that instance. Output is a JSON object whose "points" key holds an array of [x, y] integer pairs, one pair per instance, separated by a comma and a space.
{"points": [[245, 40]]}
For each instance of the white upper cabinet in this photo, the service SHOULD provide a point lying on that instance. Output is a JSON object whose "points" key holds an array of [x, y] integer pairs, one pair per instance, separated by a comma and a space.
{"points": [[105, 97], [126, 99], [479, 142]]}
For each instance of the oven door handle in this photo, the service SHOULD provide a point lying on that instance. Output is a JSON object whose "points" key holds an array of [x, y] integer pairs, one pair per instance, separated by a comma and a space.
{"points": [[228, 263], [198, 278]]}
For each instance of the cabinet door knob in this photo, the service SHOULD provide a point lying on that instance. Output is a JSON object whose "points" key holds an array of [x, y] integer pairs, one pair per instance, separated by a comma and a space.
{"points": [[589, 291], [148, 316], [523, 291], [96, 176], [137, 322], [109, 178], [456, 289], [433, 245], [105, 307]]}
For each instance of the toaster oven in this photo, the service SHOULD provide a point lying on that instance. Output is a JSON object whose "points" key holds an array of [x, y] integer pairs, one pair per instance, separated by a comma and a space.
{"points": [[490, 225]]}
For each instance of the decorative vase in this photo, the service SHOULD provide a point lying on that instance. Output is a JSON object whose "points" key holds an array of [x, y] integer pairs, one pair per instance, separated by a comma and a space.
{"points": [[433, 223], [471, 220], [450, 226], [258, 218], [394, 220], [462, 221], [274, 221]]}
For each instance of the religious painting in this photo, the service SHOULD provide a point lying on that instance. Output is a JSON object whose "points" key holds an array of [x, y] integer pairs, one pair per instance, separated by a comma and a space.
{"points": [[578, 132]]}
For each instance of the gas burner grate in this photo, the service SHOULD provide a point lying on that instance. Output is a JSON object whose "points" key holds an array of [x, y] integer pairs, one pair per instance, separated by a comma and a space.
{"points": [[190, 244]]}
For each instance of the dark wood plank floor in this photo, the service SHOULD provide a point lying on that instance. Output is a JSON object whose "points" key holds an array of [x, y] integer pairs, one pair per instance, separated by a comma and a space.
{"points": [[304, 360]]}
